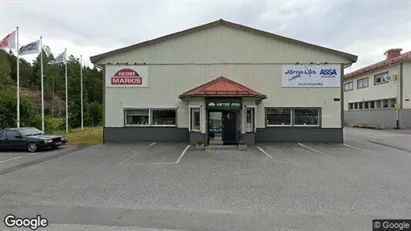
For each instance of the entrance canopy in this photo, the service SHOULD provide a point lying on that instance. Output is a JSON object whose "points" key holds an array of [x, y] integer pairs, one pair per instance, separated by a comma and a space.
{"points": [[222, 86]]}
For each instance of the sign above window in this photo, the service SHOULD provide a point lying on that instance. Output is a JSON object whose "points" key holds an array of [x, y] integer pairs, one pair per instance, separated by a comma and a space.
{"points": [[126, 76], [223, 103], [325, 75]]}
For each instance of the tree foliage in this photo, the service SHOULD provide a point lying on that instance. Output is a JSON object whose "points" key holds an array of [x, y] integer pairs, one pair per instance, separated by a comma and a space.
{"points": [[54, 86]]}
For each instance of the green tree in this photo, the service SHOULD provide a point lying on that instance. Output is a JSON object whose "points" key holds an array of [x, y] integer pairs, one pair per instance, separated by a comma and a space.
{"points": [[5, 69]]}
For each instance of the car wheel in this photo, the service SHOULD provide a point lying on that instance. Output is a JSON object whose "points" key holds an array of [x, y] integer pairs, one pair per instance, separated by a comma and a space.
{"points": [[32, 147]]}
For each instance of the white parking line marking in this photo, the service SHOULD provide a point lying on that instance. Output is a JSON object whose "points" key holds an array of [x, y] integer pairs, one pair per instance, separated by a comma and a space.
{"points": [[357, 148], [152, 144], [265, 153], [314, 150], [15, 158], [182, 154]]}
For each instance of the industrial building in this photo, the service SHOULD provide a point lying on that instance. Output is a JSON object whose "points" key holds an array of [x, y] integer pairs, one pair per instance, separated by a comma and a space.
{"points": [[220, 83], [380, 94]]}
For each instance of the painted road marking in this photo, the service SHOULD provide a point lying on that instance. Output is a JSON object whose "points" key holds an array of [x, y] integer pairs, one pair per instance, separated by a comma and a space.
{"points": [[15, 158], [265, 153], [152, 144], [357, 148], [314, 150], [182, 154]]}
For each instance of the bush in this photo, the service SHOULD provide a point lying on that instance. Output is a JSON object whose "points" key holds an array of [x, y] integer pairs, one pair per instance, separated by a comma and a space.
{"points": [[93, 114], [29, 117]]}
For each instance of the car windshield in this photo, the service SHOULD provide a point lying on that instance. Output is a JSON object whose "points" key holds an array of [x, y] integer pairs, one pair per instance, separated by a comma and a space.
{"points": [[30, 131]]}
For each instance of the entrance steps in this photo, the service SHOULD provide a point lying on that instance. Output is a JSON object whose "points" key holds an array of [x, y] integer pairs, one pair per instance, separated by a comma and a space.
{"points": [[221, 147]]}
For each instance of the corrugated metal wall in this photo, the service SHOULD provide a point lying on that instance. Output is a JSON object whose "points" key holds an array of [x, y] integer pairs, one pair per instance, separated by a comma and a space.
{"points": [[167, 82], [180, 64]]}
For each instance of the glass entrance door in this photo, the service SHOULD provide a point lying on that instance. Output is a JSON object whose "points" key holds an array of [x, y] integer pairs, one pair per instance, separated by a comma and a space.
{"points": [[215, 127]]}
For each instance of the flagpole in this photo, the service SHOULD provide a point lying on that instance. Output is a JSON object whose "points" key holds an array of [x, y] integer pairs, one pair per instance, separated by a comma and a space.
{"points": [[42, 83], [18, 77], [81, 94], [65, 70]]}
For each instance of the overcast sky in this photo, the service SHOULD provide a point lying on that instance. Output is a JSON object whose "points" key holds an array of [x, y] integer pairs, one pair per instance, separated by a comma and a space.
{"points": [[364, 28]]}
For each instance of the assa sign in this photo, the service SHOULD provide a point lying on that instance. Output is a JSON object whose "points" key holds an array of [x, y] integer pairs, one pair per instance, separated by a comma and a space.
{"points": [[328, 73], [126, 76]]}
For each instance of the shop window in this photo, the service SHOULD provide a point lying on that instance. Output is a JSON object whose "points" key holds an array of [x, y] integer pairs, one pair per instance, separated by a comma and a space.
{"points": [[381, 78], [360, 105], [349, 86], [278, 116], [137, 116], [355, 105], [378, 104], [306, 116], [385, 103], [195, 119], [351, 106], [393, 101], [372, 104], [164, 117], [362, 83], [250, 119]]}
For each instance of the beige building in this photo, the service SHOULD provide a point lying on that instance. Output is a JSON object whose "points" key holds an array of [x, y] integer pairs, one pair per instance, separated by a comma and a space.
{"points": [[223, 82], [374, 93]]}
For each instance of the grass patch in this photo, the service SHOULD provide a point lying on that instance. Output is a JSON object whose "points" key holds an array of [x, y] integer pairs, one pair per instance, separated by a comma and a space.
{"points": [[90, 135]]}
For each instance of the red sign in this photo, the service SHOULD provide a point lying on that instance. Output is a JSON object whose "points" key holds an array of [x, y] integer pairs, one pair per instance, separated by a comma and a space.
{"points": [[126, 76]]}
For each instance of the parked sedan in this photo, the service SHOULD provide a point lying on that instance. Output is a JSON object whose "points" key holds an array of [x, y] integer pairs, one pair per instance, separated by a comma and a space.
{"points": [[28, 138]]}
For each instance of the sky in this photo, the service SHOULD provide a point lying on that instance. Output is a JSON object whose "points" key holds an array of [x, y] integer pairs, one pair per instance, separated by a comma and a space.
{"points": [[364, 28]]}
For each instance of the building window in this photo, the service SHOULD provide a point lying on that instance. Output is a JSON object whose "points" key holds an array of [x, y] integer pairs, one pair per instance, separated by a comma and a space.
{"points": [[366, 105], [250, 119], [195, 119], [360, 105], [351, 106], [362, 83], [355, 105], [164, 117], [378, 104], [385, 103], [137, 116], [293, 116], [349, 86], [381, 78], [306, 116], [372, 104], [278, 116]]}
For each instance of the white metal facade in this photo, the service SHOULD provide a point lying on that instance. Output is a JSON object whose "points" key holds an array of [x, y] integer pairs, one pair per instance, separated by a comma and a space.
{"points": [[180, 64]]}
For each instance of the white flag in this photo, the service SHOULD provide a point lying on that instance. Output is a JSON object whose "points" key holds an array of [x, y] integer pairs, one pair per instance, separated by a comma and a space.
{"points": [[61, 58], [31, 48], [9, 41]]}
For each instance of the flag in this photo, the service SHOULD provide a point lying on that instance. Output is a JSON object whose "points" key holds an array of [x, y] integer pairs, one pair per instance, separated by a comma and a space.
{"points": [[61, 58], [9, 41], [31, 48]]}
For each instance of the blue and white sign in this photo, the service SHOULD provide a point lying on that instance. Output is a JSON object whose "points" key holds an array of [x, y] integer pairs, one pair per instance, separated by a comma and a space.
{"points": [[312, 75]]}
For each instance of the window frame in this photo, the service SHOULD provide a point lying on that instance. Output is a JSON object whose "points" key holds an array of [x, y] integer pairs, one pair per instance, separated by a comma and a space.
{"points": [[308, 125], [292, 119], [380, 75], [254, 118], [190, 108], [348, 83], [362, 80], [278, 125], [162, 109], [150, 117]]}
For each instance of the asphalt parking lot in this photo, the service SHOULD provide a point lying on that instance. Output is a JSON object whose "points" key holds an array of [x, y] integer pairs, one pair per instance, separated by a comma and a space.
{"points": [[173, 186]]}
